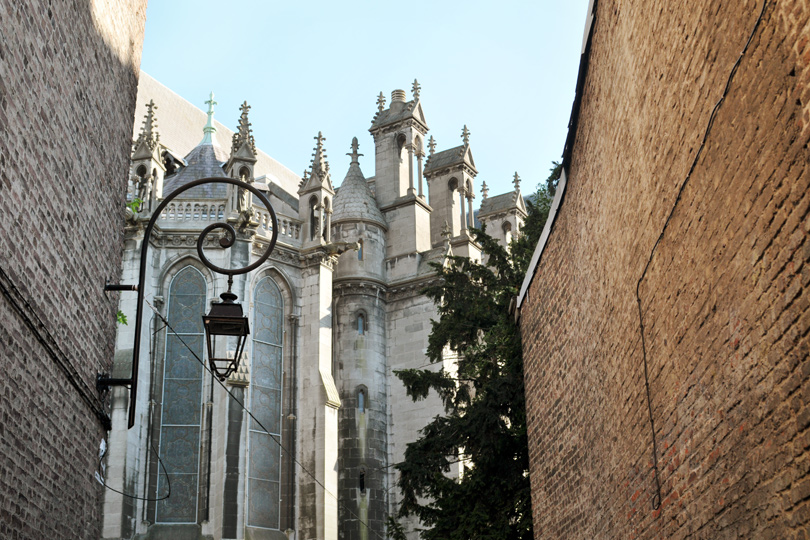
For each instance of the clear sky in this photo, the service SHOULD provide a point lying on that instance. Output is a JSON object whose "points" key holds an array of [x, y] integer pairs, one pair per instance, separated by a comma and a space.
{"points": [[505, 69]]}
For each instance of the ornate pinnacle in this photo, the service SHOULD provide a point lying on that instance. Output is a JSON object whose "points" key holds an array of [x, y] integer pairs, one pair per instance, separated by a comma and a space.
{"points": [[416, 89], [432, 145], [381, 102], [484, 190], [320, 166], [516, 181], [465, 135], [354, 153], [149, 133], [244, 133]]}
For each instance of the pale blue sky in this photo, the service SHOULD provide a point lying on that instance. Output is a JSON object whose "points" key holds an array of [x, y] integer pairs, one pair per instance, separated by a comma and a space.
{"points": [[505, 69]]}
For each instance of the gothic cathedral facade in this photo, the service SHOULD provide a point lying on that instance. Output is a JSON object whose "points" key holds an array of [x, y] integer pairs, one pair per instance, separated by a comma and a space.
{"points": [[299, 442]]}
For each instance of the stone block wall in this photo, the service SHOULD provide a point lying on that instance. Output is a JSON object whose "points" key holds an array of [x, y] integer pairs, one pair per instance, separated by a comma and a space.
{"points": [[724, 301], [68, 78]]}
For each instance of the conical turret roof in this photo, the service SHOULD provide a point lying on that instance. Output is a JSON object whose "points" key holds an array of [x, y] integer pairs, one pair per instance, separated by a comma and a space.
{"points": [[354, 200]]}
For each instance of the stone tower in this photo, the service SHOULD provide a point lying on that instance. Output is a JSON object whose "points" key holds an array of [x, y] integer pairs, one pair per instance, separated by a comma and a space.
{"points": [[450, 175], [399, 133], [359, 307]]}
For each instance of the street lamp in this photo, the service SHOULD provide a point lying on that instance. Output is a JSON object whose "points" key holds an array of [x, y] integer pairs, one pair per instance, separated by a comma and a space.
{"points": [[225, 321]]}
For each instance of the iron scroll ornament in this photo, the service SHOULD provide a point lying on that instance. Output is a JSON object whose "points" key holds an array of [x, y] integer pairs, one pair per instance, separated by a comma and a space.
{"points": [[103, 381]]}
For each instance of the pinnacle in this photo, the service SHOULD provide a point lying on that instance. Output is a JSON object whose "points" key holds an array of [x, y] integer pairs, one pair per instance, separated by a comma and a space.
{"points": [[465, 135], [416, 89], [432, 145], [149, 134], [484, 190], [354, 153], [516, 181], [244, 135]]}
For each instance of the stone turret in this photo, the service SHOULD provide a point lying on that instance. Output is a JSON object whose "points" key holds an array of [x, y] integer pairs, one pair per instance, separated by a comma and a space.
{"points": [[240, 166], [450, 175], [146, 168], [399, 132], [359, 309], [315, 196]]}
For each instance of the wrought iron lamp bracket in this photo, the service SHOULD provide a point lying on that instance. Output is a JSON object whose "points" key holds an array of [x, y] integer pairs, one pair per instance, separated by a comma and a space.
{"points": [[103, 381]]}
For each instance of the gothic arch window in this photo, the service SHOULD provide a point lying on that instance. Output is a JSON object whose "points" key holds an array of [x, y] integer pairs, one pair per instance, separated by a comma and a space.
{"points": [[507, 232], [362, 481], [181, 412], [313, 217], [264, 452], [362, 324], [452, 184], [360, 250], [361, 399], [326, 224], [244, 172]]}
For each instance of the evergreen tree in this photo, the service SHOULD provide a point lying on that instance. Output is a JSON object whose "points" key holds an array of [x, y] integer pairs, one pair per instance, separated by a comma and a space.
{"points": [[484, 428]]}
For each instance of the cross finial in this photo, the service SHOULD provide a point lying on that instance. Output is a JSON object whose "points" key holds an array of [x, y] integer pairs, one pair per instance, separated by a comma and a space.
{"points": [[209, 128], [381, 102], [432, 145], [465, 135], [354, 153], [484, 190], [416, 89], [516, 181]]}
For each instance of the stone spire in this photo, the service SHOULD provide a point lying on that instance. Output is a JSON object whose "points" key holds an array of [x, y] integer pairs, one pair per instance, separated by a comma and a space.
{"points": [[209, 129], [149, 134], [465, 135], [354, 153], [484, 190], [319, 170], [416, 89], [381, 102], [516, 181], [244, 135], [432, 145]]}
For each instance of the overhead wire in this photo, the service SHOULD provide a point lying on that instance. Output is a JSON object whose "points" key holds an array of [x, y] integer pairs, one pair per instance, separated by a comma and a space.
{"points": [[256, 420]]}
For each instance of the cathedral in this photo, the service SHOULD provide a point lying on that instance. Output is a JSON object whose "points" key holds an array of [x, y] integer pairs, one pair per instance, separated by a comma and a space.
{"points": [[300, 442]]}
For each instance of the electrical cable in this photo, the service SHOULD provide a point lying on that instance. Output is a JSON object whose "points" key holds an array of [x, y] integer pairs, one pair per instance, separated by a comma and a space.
{"points": [[40, 331], [656, 503], [256, 420], [165, 473]]}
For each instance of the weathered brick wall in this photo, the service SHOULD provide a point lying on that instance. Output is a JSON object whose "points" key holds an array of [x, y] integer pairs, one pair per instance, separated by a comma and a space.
{"points": [[68, 77], [725, 300]]}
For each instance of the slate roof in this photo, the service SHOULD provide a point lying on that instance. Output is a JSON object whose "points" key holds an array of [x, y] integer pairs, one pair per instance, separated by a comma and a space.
{"points": [[498, 203], [354, 200], [203, 161], [180, 125], [455, 156]]}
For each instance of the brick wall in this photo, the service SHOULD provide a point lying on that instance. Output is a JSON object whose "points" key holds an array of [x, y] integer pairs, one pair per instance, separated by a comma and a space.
{"points": [[68, 77], [725, 299]]}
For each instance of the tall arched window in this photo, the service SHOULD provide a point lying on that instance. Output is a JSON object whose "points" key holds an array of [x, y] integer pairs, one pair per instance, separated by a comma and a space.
{"points": [[361, 324], [313, 218], [360, 250], [264, 468], [181, 415]]}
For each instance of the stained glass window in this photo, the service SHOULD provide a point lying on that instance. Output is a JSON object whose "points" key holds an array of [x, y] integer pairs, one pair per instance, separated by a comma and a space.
{"points": [[182, 399], [264, 458]]}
